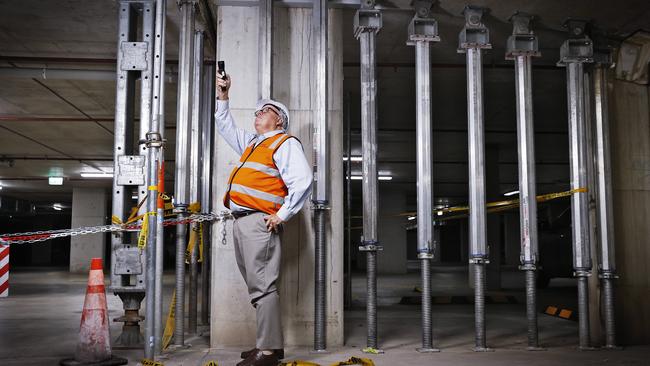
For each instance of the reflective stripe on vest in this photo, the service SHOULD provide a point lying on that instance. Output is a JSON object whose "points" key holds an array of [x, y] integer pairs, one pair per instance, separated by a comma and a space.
{"points": [[256, 182]]}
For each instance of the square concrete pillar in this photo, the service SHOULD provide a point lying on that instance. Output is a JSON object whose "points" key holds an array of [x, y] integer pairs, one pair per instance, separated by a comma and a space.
{"points": [[89, 208], [232, 316]]}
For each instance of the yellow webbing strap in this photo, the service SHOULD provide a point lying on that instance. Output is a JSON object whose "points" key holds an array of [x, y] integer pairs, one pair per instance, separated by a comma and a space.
{"points": [[211, 363], [195, 235]]}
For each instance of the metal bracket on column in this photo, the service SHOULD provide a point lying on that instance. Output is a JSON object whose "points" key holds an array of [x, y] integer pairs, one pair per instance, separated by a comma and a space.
{"points": [[582, 273], [528, 267], [370, 246], [479, 260], [475, 34], [579, 47], [367, 20], [130, 170], [425, 254], [153, 139], [422, 29], [523, 41], [610, 275], [134, 56]]}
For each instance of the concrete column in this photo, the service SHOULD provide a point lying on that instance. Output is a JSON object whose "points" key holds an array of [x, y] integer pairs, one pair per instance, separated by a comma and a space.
{"points": [[630, 144], [391, 230], [89, 208], [233, 318]]}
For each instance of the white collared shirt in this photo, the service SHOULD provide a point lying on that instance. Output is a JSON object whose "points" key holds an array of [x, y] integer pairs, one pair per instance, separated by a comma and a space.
{"points": [[290, 159]]}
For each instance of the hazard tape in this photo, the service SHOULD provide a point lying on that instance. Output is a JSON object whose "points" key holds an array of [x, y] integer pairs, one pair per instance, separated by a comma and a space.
{"points": [[4, 270], [356, 361], [497, 206], [168, 333], [148, 362], [351, 361], [195, 235]]}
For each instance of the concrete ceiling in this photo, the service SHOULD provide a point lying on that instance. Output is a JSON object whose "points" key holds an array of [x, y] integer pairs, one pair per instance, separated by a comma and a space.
{"points": [[65, 125]]}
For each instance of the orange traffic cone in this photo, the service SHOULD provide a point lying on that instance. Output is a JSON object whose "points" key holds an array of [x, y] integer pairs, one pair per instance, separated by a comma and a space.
{"points": [[94, 347]]}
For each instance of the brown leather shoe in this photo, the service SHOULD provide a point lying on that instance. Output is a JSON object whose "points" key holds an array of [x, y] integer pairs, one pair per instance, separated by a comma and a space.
{"points": [[258, 358], [278, 352]]}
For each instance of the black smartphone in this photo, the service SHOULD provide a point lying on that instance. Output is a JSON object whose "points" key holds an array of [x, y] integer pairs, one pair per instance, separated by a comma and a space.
{"points": [[221, 69]]}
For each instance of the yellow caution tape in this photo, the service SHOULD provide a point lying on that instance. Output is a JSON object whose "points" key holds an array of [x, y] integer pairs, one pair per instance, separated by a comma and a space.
{"points": [[499, 206], [211, 363], [194, 235], [200, 242], [299, 363], [194, 207], [116, 220], [356, 361], [142, 236], [169, 324], [370, 350], [148, 362]]}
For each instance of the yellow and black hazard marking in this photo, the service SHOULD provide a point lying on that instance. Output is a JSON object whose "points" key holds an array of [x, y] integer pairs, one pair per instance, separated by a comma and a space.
{"points": [[211, 363], [559, 312], [148, 362], [355, 361]]}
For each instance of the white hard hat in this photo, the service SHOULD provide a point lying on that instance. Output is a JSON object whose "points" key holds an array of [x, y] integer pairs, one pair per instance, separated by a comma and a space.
{"points": [[284, 112]]}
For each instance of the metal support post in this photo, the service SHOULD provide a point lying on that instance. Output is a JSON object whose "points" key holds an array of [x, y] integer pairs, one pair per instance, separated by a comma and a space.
{"points": [[265, 47], [207, 120], [606, 257], [472, 39], [195, 176], [367, 23], [521, 47], [181, 193], [130, 267], [421, 32], [320, 196], [158, 118], [573, 54]]}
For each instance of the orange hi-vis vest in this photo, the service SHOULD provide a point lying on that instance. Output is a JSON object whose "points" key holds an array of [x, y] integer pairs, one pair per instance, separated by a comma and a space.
{"points": [[256, 182]]}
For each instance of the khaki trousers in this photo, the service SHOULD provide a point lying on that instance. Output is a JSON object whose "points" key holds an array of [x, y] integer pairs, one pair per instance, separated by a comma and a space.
{"points": [[258, 257]]}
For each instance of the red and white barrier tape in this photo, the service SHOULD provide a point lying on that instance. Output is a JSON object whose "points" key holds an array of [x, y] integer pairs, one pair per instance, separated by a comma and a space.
{"points": [[4, 270]]}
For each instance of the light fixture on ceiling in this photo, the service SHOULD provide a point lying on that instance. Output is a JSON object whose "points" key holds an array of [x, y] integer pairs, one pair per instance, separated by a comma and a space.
{"points": [[356, 158], [511, 193], [57, 207], [411, 218], [97, 175], [55, 181]]}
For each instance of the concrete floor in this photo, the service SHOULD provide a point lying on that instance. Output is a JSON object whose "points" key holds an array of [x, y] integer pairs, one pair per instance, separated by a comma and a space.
{"points": [[40, 320]]}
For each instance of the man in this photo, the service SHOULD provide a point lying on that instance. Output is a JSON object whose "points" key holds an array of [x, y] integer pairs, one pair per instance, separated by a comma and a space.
{"points": [[269, 185]]}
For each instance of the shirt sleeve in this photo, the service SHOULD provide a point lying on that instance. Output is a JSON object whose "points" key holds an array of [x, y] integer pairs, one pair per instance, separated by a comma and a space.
{"points": [[296, 174], [236, 137]]}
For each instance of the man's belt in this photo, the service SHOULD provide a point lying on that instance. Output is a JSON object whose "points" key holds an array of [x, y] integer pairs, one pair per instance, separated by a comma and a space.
{"points": [[240, 214]]}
